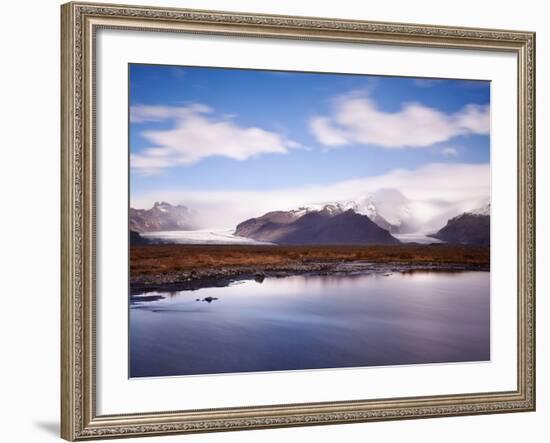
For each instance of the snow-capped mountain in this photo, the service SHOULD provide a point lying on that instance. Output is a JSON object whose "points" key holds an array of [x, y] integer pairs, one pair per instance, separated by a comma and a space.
{"points": [[331, 224], [161, 217], [387, 208], [484, 210], [392, 206], [471, 227], [362, 207]]}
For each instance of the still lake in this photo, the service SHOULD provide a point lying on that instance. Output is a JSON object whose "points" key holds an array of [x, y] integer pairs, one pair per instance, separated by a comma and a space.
{"points": [[313, 322]]}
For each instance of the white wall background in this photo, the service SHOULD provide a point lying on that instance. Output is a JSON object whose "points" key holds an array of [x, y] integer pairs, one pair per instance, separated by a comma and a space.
{"points": [[29, 219]]}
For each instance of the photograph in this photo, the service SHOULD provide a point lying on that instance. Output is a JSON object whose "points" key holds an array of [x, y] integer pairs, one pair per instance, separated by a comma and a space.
{"points": [[282, 218], [290, 221]]}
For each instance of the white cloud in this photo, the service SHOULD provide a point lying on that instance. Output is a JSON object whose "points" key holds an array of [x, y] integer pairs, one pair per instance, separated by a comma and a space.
{"points": [[144, 113], [197, 134], [357, 119], [436, 193], [449, 151], [326, 133]]}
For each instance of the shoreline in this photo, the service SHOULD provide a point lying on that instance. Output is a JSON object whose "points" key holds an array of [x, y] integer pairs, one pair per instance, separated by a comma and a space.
{"points": [[195, 279]]}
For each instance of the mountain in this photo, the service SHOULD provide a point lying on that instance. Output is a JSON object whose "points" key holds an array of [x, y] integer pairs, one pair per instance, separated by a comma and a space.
{"points": [[137, 240], [330, 225], [391, 207], [468, 228], [388, 208], [161, 217], [364, 206]]}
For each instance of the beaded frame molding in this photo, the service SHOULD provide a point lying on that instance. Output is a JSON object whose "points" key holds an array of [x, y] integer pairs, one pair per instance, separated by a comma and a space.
{"points": [[80, 21]]}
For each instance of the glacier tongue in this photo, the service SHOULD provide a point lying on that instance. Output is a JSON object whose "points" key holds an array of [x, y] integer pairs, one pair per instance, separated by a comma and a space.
{"points": [[202, 236], [421, 238]]}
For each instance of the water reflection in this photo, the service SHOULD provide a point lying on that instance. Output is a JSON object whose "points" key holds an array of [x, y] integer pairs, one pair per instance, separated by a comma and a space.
{"points": [[312, 322]]}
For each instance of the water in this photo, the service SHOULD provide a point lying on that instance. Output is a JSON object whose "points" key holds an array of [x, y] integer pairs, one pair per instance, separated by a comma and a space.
{"points": [[313, 322]]}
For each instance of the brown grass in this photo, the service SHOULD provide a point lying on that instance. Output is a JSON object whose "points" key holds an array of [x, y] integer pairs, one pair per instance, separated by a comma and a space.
{"points": [[155, 259]]}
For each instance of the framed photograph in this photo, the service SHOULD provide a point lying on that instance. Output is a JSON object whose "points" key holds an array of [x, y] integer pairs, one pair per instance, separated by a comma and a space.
{"points": [[283, 221]]}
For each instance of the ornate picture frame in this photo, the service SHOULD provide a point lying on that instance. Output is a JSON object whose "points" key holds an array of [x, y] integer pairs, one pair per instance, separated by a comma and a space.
{"points": [[80, 22]]}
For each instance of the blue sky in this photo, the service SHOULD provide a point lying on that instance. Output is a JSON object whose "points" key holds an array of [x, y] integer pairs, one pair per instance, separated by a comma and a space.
{"points": [[199, 130]]}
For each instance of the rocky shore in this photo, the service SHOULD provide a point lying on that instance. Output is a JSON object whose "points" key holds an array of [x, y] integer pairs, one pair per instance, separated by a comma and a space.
{"points": [[219, 277]]}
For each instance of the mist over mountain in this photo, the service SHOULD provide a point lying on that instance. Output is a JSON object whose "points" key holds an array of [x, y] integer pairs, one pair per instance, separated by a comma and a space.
{"points": [[389, 209], [161, 217], [383, 217]]}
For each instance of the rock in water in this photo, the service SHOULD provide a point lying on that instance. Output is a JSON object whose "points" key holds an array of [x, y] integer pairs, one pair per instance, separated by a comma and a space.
{"points": [[209, 299]]}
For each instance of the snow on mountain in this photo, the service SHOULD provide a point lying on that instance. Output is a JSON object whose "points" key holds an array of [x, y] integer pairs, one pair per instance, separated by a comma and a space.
{"points": [[328, 226], [470, 227], [161, 217], [484, 210], [394, 207], [388, 208]]}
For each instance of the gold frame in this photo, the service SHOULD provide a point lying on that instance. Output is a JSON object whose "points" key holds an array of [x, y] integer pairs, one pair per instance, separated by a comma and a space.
{"points": [[79, 22]]}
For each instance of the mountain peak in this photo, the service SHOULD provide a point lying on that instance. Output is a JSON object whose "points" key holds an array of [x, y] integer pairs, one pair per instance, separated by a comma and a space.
{"points": [[161, 217], [483, 210], [388, 208], [471, 227], [165, 205], [328, 224]]}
